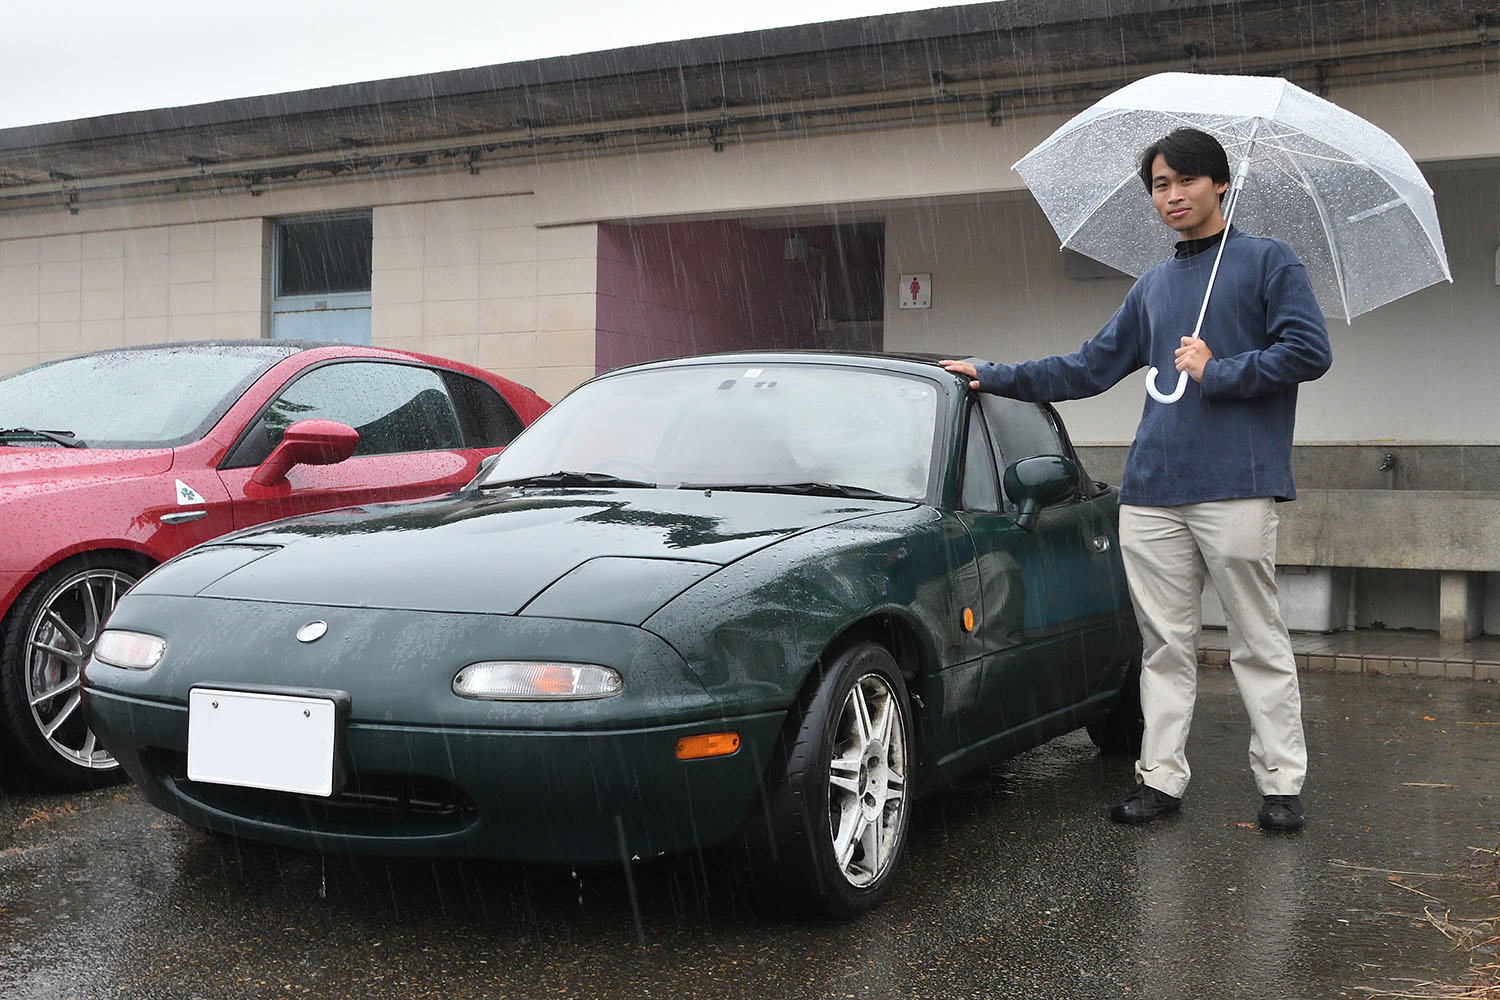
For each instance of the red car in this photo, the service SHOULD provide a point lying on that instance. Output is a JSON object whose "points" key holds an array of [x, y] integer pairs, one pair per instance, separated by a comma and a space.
{"points": [[113, 462]]}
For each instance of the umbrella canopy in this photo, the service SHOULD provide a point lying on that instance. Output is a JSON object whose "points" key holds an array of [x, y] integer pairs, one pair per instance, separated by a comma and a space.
{"points": [[1342, 192]]}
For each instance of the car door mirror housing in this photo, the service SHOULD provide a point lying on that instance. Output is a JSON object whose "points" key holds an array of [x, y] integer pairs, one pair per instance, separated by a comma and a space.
{"points": [[306, 442], [1041, 481], [485, 465]]}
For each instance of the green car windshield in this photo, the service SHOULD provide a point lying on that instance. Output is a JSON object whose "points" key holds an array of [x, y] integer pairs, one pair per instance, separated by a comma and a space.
{"points": [[739, 424], [149, 398]]}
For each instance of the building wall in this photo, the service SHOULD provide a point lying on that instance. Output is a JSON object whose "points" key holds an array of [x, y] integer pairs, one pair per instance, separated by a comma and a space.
{"points": [[461, 268], [500, 265], [1438, 119], [476, 280], [67, 293], [687, 288]]}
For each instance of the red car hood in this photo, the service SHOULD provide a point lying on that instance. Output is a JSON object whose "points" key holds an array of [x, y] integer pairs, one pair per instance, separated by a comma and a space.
{"points": [[26, 470]]}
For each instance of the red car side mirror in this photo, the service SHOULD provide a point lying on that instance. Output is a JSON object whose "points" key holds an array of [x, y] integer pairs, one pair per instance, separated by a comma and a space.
{"points": [[307, 442]]}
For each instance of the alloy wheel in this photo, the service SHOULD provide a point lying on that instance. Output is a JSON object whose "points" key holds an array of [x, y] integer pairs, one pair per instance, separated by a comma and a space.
{"points": [[867, 781], [59, 640]]}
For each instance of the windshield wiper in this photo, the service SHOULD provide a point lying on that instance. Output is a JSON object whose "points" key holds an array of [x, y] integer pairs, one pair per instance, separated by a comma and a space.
{"points": [[65, 438], [801, 489], [566, 478]]}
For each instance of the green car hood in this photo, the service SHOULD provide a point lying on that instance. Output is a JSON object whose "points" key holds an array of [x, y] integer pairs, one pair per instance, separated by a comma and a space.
{"points": [[601, 555]]}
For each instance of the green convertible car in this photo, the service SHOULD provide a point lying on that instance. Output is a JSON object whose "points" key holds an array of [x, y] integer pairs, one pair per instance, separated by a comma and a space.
{"points": [[766, 599]]}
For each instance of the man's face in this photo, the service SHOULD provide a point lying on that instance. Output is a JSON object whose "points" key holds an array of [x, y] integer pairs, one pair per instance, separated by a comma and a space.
{"points": [[1187, 203]]}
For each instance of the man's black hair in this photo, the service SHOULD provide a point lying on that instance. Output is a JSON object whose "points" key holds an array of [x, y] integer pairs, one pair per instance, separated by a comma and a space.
{"points": [[1187, 151]]}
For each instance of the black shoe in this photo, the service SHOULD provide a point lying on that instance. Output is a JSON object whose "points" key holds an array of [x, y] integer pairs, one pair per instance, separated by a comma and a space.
{"points": [[1143, 805], [1282, 813]]}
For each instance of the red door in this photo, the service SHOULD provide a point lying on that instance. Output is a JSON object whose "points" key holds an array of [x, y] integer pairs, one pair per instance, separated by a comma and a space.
{"points": [[411, 442], [357, 480]]}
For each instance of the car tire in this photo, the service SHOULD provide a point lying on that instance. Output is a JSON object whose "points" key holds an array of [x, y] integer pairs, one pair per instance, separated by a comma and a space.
{"points": [[841, 810], [1118, 734], [50, 631]]}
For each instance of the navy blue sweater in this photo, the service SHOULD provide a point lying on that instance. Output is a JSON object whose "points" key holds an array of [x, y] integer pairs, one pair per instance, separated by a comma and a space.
{"points": [[1230, 436]]}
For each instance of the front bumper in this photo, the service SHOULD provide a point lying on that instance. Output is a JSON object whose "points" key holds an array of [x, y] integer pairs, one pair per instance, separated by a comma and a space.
{"points": [[430, 773], [427, 791]]}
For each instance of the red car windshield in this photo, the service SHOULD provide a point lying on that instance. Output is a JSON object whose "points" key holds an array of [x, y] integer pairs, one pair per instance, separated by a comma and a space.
{"points": [[128, 399]]}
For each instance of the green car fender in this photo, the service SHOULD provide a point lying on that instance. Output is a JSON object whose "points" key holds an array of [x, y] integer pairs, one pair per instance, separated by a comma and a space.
{"points": [[755, 631]]}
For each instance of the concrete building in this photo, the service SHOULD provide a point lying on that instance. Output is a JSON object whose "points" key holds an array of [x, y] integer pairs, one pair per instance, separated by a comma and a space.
{"points": [[552, 219]]}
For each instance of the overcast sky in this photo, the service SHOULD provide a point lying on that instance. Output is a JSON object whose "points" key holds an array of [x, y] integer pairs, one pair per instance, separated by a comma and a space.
{"points": [[81, 58]]}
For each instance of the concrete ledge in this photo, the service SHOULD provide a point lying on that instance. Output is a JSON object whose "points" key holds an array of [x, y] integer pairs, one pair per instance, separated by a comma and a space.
{"points": [[1376, 653], [1375, 666], [1443, 530], [1356, 465], [1356, 511]]}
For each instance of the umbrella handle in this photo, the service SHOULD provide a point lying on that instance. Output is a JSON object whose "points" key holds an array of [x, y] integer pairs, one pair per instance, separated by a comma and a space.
{"points": [[1160, 396]]}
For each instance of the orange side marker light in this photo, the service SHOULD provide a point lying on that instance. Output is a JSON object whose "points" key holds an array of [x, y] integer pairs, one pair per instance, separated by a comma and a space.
{"points": [[707, 745], [968, 619]]}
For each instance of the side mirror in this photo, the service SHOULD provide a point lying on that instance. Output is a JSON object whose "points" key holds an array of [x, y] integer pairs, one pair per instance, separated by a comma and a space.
{"points": [[1034, 483], [485, 465], [307, 442]]}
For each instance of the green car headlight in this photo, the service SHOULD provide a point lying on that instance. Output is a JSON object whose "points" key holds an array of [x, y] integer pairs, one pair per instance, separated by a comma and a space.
{"points": [[497, 680], [131, 650]]}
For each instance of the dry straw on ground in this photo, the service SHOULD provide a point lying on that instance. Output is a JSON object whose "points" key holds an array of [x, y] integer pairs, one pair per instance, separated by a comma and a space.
{"points": [[1478, 938]]}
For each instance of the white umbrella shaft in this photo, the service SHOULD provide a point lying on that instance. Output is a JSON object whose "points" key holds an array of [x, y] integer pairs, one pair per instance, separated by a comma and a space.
{"points": [[1241, 171]]}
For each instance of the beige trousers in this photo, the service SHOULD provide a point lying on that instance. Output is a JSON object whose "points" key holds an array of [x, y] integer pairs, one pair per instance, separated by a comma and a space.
{"points": [[1167, 553]]}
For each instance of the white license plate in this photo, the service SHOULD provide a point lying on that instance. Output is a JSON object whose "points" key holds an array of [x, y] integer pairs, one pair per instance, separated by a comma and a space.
{"points": [[260, 740]]}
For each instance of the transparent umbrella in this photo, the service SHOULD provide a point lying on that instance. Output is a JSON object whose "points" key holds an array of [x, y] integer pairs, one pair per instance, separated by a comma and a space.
{"points": [[1344, 194]]}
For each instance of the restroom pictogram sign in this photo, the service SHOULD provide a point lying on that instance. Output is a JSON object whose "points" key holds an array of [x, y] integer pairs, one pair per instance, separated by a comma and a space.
{"points": [[916, 291]]}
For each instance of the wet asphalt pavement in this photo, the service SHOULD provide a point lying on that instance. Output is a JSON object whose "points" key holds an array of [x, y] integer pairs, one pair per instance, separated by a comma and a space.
{"points": [[1015, 884]]}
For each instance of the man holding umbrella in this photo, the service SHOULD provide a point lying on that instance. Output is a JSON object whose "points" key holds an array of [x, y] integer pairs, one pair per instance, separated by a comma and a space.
{"points": [[1206, 469]]}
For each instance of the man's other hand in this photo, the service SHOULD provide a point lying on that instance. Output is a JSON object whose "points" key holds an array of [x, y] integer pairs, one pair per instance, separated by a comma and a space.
{"points": [[963, 368], [1192, 356]]}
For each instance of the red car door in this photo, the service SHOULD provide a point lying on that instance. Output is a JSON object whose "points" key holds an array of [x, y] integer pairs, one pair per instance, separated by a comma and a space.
{"points": [[186, 506], [412, 441]]}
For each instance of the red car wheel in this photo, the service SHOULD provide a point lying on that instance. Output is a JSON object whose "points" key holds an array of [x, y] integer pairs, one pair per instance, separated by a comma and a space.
{"points": [[50, 632]]}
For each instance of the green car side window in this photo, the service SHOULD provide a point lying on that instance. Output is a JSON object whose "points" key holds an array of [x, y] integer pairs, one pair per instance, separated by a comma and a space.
{"points": [[981, 487], [1021, 430]]}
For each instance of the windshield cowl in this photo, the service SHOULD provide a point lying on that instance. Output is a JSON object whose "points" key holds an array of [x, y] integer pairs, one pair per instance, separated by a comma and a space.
{"points": [[65, 439], [799, 489], [564, 478]]}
